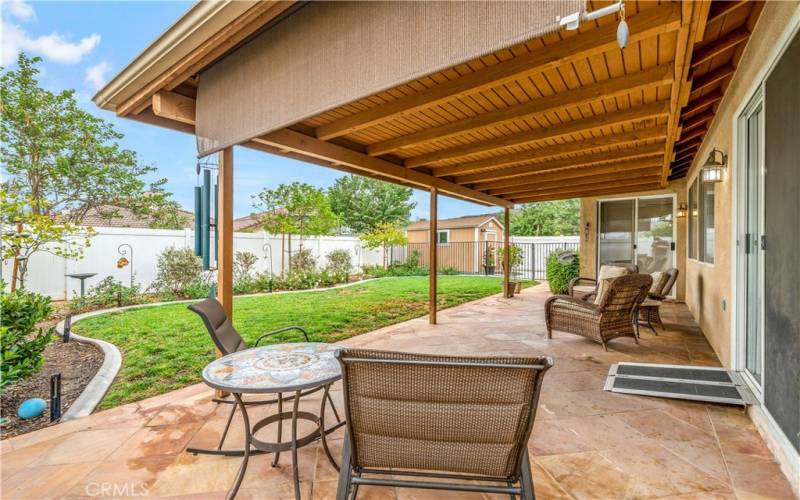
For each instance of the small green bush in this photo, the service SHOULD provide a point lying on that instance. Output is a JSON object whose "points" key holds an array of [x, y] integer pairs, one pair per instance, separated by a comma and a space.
{"points": [[197, 289], [559, 274], [340, 265], [21, 345], [448, 270], [108, 293], [177, 269]]}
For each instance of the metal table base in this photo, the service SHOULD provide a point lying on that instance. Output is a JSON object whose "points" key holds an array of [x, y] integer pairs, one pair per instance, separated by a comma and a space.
{"points": [[277, 447]]}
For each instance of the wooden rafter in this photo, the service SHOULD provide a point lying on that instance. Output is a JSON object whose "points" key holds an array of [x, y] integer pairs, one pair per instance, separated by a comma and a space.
{"points": [[730, 41], [695, 135], [690, 19], [697, 121], [710, 79], [647, 24], [638, 115], [614, 87], [582, 178], [722, 9], [652, 176], [571, 172], [656, 149], [632, 186], [701, 104], [595, 143]]}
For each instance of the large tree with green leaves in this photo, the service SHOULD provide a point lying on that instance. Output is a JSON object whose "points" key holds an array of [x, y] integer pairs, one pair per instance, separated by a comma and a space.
{"points": [[60, 162], [547, 218], [365, 204], [295, 209]]}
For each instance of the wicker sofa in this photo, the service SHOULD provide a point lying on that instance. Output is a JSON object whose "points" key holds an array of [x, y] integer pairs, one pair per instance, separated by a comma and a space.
{"points": [[609, 316]]}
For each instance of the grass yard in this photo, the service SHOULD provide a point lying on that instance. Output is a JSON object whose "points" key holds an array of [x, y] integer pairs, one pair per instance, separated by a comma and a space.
{"points": [[165, 348]]}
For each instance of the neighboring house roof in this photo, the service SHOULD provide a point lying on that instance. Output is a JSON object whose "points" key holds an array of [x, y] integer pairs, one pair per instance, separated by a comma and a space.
{"points": [[251, 221], [124, 217], [457, 222]]}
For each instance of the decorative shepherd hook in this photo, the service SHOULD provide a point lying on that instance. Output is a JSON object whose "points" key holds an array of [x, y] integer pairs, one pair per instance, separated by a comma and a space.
{"points": [[123, 252]]}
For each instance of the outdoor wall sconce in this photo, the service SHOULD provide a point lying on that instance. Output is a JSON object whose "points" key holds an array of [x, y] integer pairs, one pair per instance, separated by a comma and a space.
{"points": [[714, 167], [682, 210], [586, 231]]}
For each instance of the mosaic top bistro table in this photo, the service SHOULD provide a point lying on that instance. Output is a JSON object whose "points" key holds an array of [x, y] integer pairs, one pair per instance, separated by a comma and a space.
{"points": [[276, 369]]}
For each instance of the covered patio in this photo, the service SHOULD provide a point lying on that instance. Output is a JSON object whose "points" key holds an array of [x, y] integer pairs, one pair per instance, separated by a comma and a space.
{"points": [[586, 443]]}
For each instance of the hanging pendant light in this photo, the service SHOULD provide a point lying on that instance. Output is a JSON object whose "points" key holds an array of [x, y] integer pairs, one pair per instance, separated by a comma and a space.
{"points": [[622, 28]]}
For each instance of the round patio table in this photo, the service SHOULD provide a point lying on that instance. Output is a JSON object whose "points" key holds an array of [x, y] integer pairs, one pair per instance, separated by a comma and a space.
{"points": [[277, 369]]}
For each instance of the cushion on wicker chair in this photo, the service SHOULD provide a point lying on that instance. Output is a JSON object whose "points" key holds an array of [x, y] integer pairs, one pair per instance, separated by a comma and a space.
{"points": [[611, 272], [659, 280]]}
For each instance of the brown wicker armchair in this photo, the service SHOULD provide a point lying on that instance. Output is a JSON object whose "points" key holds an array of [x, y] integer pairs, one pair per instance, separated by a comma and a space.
{"points": [[586, 288], [649, 309], [611, 315], [412, 418]]}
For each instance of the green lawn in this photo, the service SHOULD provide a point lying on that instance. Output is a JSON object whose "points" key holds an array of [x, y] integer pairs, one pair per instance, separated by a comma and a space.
{"points": [[165, 348]]}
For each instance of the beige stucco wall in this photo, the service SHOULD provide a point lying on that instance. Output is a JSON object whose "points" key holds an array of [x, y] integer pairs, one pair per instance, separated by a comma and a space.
{"points": [[708, 286], [588, 248]]}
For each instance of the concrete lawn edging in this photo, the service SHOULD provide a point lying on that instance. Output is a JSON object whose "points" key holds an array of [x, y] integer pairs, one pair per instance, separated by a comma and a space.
{"points": [[98, 386]]}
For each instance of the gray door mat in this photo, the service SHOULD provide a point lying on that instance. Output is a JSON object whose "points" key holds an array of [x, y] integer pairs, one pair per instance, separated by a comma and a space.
{"points": [[696, 383]]}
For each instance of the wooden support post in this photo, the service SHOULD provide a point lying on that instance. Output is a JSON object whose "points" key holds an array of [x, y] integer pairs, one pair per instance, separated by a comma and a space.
{"points": [[225, 230], [432, 258], [506, 252]]}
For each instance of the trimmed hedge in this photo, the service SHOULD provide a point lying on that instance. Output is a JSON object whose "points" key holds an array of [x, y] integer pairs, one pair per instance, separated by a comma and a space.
{"points": [[559, 274]]}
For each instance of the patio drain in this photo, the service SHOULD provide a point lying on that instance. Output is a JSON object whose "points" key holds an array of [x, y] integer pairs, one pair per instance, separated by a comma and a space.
{"points": [[696, 383]]}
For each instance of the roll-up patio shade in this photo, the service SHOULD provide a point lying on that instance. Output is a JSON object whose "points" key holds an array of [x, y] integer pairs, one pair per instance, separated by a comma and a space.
{"points": [[331, 53]]}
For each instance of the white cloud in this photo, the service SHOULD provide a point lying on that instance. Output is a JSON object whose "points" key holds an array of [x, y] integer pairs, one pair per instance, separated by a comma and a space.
{"points": [[20, 9], [96, 75], [54, 47]]}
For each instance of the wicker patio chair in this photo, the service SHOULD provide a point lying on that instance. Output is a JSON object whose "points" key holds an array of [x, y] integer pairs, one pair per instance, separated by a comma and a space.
{"points": [[415, 418], [609, 316], [586, 288], [649, 309], [228, 340]]}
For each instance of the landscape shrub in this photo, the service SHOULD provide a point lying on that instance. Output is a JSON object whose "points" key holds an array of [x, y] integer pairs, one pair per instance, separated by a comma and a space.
{"points": [[178, 269], [448, 270], [21, 343], [197, 289], [340, 265], [108, 293], [410, 267], [263, 282], [243, 266], [559, 274]]}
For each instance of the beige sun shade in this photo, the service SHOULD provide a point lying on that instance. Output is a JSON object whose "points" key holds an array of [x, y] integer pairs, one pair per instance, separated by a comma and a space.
{"points": [[330, 53]]}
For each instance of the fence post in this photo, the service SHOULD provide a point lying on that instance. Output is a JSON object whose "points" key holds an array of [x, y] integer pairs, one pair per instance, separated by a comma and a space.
{"points": [[533, 266]]}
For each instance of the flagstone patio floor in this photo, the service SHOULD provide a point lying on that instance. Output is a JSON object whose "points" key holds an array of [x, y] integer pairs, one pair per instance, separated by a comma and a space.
{"points": [[586, 443]]}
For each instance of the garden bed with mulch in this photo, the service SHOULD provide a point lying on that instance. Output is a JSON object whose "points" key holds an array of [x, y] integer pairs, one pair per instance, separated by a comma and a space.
{"points": [[77, 362]]}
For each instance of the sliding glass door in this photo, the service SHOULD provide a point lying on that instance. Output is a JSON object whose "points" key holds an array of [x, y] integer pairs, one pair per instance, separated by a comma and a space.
{"points": [[637, 231]]}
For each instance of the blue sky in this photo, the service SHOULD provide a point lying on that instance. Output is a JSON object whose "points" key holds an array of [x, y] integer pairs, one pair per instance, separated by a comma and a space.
{"points": [[84, 44]]}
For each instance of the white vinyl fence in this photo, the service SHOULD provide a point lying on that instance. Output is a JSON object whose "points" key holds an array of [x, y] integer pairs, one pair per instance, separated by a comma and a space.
{"points": [[47, 273]]}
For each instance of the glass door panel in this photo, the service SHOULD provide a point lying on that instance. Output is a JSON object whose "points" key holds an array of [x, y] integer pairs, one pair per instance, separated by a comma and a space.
{"points": [[752, 247], [654, 234], [616, 232]]}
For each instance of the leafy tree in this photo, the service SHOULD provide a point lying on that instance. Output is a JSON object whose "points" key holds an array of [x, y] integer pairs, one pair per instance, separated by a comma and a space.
{"points": [[363, 204], [169, 216], [61, 162], [296, 208], [547, 218], [384, 236]]}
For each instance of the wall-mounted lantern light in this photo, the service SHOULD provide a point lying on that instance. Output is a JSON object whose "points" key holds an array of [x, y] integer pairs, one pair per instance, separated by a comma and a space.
{"points": [[715, 165], [682, 210]]}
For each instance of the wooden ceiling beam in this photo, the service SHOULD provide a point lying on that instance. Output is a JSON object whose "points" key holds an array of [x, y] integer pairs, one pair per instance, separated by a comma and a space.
{"points": [[722, 9], [691, 13], [546, 181], [710, 79], [642, 26], [614, 87], [635, 115], [729, 41], [680, 148], [698, 120], [549, 152], [173, 106], [653, 176], [701, 104], [315, 148], [570, 173], [694, 135], [687, 154], [221, 42], [616, 188], [656, 149]]}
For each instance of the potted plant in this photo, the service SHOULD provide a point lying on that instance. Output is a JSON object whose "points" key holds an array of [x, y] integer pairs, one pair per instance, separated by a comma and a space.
{"points": [[515, 259], [488, 262]]}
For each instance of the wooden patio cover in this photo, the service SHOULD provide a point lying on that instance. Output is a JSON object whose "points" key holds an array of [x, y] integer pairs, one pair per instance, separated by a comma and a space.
{"points": [[566, 115]]}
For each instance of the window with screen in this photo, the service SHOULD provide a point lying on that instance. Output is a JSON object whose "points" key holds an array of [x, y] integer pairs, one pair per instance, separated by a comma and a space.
{"points": [[701, 221], [443, 237]]}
